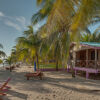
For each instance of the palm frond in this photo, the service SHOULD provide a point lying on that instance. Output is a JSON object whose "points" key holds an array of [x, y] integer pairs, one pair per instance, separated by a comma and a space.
{"points": [[44, 12], [1, 46], [2, 54]]}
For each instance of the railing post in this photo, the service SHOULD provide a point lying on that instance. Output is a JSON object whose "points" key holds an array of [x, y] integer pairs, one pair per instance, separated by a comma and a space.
{"points": [[87, 58], [74, 58], [95, 58]]}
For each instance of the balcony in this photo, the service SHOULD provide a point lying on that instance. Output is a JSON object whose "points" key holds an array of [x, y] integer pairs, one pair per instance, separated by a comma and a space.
{"points": [[87, 63]]}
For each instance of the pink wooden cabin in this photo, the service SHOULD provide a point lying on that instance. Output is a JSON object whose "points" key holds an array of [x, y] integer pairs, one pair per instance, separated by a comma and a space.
{"points": [[86, 57]]}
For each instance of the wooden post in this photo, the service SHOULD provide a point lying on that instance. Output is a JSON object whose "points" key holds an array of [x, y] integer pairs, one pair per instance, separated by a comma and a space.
{"points": [[87, 75], [87, 58], [73, 64], [95, 58], [74, 58]]}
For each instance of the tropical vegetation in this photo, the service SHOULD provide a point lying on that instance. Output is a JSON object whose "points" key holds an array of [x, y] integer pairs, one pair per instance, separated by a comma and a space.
{"points": [[2, 53], [28, 46], [91, 37], [66, 21]]}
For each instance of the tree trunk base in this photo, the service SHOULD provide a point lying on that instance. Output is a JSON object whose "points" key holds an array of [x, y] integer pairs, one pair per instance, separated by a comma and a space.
{"points": [[73, 74]]}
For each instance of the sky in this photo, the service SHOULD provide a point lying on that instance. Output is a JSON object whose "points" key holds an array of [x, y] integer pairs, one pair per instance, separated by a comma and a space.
{"points": [[15, 16]]}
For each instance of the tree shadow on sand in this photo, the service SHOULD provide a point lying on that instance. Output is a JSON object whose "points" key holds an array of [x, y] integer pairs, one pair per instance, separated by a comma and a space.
{"points": [[13, 93], [37, 85], [17, 94], [80, 90]]}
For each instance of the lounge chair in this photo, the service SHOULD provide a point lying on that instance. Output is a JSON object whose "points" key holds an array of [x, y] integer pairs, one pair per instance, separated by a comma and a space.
{"points": [[4, 87], [36, 74], [18, 65], [10, 68], [1, 82], [7, 68]]}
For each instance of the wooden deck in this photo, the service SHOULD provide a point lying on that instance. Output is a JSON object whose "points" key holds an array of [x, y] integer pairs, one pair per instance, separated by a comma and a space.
{"points": [[87, 70]]}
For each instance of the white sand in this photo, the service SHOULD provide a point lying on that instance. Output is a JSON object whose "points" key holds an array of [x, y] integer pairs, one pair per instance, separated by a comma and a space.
{"points": [[54, 86]]}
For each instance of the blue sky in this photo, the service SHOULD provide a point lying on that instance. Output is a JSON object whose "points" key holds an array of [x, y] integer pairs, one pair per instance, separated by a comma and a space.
{"points": [[15, 16]]}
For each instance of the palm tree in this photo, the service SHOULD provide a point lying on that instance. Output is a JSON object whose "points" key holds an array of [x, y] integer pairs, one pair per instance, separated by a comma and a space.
{"points": [[14, 55], [54, 47], [23, 54], [44, 11], [74, 9], [2, 54], [67, 18], [8, 60], [91, 37], [1, 61], [55, 51], [30, 42]]}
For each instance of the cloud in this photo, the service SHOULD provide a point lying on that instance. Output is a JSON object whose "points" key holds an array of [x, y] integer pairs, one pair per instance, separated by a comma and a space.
{"points": [[17, 22], [36, 27], [14, 25], [2, 14], [22, 20]]}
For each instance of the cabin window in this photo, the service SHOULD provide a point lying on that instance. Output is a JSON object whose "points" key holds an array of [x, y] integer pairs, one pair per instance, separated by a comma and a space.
{"points": [[82, 55], [92, 55]]}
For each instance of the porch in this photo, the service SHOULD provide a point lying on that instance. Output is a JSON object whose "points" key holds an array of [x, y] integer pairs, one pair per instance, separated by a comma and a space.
{"points": [[89, 58], [86, 58]]}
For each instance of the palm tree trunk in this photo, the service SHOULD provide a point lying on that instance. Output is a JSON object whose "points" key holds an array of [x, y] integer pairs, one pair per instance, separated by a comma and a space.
{"points": [[3, 65], [72, 69], [73, 72], [56, 65], [10, 69], [37, 60], [32, 62], [72, 65]]}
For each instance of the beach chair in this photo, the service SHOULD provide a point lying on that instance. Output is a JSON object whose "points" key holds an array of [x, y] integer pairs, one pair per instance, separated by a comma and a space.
{"points": [[4, 87], [10, 68], [18, 65], [1, 82], [36, 74], [7, 68]]}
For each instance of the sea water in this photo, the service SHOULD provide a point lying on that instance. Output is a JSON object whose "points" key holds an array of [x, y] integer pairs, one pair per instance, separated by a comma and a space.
{"points": [[1, 65], [5, 65]]}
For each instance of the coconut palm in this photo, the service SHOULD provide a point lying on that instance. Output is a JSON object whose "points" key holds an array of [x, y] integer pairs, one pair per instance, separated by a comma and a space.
{"points": [[91, 37], [14, 55], [1, 61], [55, 51], [79, 8], [44, 11], [24, 54], [68, 17], [54, 47], [8, 60], [30, 43], [2, 54]]}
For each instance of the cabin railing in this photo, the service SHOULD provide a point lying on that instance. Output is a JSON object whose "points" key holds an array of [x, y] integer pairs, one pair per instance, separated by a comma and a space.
{"points": [[87, 63]]}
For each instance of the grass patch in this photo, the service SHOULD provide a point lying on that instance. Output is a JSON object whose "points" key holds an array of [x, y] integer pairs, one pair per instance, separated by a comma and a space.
{"points": [[49, 66]]}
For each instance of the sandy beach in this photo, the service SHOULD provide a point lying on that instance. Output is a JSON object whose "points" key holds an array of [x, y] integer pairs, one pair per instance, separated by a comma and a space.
{"points": [[54, 86]]}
